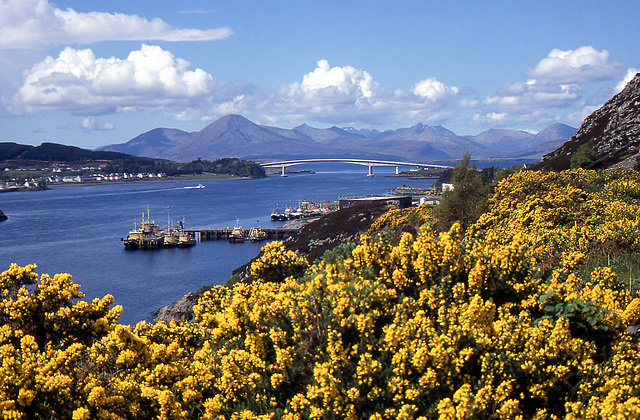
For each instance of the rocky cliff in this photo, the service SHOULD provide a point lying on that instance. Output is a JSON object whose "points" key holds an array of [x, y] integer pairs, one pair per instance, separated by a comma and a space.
{"points": [[612, 132]]}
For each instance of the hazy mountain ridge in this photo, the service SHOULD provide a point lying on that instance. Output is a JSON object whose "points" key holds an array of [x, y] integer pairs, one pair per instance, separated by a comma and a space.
{"points": [[236, 136]]}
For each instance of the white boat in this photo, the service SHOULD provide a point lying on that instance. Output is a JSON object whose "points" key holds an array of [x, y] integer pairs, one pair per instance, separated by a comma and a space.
{"points": [[194, 187]]}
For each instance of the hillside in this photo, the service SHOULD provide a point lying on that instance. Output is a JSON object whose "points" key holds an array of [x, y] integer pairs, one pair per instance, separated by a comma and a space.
{"points": [[30, 161], [53, 152], [234, 135], [611, 133]]}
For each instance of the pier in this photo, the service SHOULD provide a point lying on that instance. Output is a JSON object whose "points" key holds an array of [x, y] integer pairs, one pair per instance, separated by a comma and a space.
{"points": [[217, 234]]}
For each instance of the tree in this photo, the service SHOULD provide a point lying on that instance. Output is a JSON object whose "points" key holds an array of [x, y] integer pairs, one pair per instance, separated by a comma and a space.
{"points": [[582, 157], [466, 201]]}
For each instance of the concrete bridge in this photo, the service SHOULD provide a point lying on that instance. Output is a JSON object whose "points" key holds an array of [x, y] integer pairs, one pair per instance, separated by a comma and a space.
{"points": [[364, 162]]}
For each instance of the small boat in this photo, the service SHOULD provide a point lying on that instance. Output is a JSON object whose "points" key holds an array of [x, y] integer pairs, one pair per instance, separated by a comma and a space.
{"points": [[170, 239], [237, 234], [194, 187], [257, 234], [185, 239], [275, 215]]}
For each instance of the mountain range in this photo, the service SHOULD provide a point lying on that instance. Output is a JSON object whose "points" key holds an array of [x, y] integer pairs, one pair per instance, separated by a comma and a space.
{"points": [[236, 136]]}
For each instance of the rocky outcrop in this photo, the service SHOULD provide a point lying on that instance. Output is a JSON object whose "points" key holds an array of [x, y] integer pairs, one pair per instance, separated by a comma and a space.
{"points": [[181, 310], [2, 216], [612, 132]]}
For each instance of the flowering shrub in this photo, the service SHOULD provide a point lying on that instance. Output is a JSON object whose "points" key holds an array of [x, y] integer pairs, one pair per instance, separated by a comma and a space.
{"points": [[277, 263], [455, 326], [397, 216], [576, 210]]}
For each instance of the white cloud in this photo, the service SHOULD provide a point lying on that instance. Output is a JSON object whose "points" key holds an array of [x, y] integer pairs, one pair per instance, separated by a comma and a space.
{"points": [[491, 117], [32, 23], [92, 124], [582, 65], [78, 82], [345, 80], [432, 89], [531, 94], [350, 96], [631, 73]]}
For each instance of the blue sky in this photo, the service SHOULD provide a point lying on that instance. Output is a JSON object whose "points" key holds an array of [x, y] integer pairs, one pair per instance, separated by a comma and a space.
{"points": [[95, 73]]}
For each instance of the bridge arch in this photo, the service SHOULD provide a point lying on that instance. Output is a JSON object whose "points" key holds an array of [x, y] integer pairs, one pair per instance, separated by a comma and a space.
{"points": [[370, 163]]}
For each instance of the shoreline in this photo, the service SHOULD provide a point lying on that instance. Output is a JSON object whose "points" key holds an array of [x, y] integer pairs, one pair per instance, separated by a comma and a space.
{"points": [[188, 178]]}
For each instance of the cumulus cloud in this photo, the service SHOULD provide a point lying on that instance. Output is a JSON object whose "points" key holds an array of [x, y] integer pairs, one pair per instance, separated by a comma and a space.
{"points": [[345, 80], [582, 65], [78, 82], [432, 89], [32, 23], [346, 95]]}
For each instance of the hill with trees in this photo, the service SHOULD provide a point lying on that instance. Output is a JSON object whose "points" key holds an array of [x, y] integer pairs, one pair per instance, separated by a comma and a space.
{"points": [[17, 156]]}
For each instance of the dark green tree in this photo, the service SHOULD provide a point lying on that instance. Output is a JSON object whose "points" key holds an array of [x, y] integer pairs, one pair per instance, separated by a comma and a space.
{"points": [[466, 201], [582, 157]]}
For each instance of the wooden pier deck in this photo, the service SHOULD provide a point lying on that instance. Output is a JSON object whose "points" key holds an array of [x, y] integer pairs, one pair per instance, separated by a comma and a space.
{"points": [[217, 234]]}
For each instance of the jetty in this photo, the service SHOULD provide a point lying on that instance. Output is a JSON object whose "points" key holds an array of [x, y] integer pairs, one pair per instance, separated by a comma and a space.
{"points": [[224, 233]]}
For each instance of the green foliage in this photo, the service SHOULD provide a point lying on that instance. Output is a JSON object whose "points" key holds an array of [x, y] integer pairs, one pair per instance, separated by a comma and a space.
{"points": [[468, 199], [582, 157], [224, 166], [235, 278]]}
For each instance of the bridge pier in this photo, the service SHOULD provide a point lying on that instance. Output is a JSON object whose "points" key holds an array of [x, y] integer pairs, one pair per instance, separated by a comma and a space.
{"points": [[284, 175], [397, 170], [370, 170]]}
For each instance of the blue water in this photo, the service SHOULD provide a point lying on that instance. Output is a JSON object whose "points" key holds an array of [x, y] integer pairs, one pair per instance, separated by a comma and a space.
{"points": [[77, 229]]}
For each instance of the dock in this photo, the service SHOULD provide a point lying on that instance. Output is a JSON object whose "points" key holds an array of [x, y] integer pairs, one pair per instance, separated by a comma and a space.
{"points": [[217, 234]]}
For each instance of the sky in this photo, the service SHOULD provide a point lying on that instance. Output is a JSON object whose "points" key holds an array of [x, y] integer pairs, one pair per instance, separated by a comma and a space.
{"points": [[88, 74]]}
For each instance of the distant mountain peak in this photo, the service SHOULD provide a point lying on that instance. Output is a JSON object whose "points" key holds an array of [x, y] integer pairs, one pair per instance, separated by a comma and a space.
{"points": [[235, 136]]}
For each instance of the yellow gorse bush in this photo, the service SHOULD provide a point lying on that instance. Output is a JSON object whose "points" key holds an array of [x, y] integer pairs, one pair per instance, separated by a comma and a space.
{"points": [[500, 321]]}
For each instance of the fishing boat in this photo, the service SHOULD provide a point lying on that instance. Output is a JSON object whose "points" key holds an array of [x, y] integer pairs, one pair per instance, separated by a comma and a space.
{"points": [[275, 215], [185, 239], [145, 236], [257, 234], [237, 234]]}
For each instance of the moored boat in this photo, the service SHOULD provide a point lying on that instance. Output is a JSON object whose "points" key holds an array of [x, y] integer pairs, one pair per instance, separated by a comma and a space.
{"points": [[149, 236], [237, 234], [145, 236], [257, 234], [185, 239]]}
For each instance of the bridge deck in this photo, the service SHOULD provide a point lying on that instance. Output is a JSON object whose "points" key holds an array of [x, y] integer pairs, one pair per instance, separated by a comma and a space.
{"points": [[366, 162]]}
